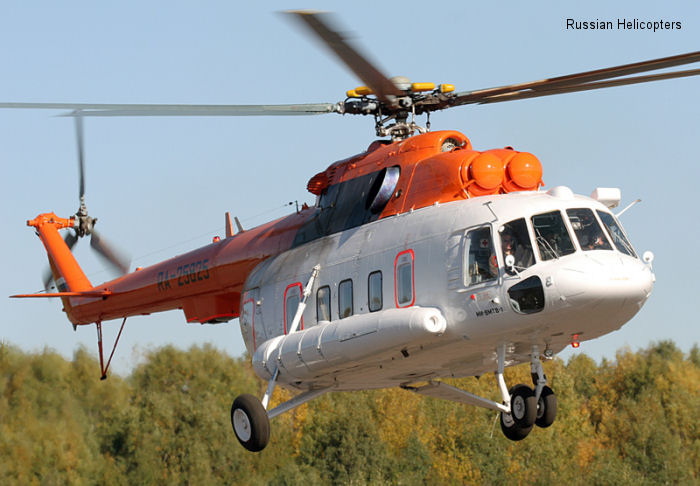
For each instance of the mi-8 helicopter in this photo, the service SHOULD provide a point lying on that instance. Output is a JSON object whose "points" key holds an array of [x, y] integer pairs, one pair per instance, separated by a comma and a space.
{"points": [[421, 259]]}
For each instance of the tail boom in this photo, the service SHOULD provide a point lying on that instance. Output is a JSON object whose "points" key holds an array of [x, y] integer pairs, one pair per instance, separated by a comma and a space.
{"points": [[47, 226]]}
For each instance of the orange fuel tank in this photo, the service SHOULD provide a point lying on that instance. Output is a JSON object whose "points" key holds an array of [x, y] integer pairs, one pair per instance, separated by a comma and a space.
{"points": [[482, 173], [522, 170]]}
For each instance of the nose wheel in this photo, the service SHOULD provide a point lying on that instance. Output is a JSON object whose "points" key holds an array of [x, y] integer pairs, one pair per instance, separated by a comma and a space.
{"points": [[546, 408], [529, 407], [517, 424]]}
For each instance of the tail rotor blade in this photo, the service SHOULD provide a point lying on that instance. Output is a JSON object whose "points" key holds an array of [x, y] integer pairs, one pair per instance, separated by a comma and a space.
{"points": [[113, 257], [71, 239], [47, 279]]}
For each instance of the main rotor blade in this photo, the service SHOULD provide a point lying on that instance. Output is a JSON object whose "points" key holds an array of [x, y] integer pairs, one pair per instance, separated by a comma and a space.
{"points": [[81, 153], [321, 25], [588, 86], [558, 84], [111, 109], [113, 257]]}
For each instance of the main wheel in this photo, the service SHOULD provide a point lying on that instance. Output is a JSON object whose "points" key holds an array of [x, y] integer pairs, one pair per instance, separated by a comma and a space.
{"points": [[250, 422], [523, 406], [511, 429], [546, 408]]}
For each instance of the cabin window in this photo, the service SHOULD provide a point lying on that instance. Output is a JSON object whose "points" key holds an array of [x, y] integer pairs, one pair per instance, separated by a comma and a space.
{"points": [[480, 255], [515, 241], [616, 234], [552, 237], [292, 298], [588, 231], [323, 304], [374, 285], [345, 308], [403, 277]]}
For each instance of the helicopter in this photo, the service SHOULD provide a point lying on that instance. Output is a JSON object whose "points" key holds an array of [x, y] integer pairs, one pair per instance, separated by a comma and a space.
{"points": [[421, 259]]}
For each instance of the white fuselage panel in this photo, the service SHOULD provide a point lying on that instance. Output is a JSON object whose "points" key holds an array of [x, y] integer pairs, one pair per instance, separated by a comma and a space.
{"points": [[423, 264]]}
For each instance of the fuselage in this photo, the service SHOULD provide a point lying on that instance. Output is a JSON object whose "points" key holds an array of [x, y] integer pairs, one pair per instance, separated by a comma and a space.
{"points": [[449, 258]]}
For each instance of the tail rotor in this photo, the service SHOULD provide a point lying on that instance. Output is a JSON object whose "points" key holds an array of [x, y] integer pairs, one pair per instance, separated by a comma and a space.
{"points": [[84, 223]]}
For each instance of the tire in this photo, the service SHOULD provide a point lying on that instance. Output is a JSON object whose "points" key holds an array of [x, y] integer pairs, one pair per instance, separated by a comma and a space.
{"points": [[546, 408], [523, 406], [250, 422], [511, 429]]}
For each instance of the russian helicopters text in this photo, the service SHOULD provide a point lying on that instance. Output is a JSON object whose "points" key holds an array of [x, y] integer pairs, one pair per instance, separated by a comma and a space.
{"points": [[421, 259]]}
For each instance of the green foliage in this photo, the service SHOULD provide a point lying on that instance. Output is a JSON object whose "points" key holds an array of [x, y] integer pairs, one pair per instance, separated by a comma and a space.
{"points": [[631, 421]]}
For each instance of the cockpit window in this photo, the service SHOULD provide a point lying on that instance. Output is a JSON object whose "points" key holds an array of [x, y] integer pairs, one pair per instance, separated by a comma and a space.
{"points": [[481, 257], [588, 231], [616, 234], [516, 241], [553, 240]]}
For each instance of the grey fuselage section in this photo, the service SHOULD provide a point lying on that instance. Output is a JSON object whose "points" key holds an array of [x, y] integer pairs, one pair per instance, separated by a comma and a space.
{"points": [[424, 261]]}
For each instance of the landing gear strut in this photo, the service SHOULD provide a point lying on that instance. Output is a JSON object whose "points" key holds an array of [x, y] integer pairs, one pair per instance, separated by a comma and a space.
{"points": [[546, 400], [249, 416]]}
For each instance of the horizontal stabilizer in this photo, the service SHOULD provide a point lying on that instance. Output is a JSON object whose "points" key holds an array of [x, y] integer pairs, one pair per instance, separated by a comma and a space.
{"points": [[88, 293]]}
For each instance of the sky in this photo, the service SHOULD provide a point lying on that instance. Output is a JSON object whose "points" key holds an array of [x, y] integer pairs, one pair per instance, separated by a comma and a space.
{"points": [[161, 186]]}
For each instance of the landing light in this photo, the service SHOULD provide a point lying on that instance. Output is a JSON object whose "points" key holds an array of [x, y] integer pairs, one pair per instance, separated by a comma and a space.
{"points": [[574, 341]]}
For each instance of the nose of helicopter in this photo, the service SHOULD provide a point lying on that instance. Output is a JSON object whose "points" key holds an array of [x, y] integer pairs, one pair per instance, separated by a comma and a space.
{"points": [[611, 287]]}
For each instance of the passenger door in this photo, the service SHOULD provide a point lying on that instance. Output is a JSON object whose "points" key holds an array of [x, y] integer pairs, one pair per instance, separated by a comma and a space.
{"points": [[251, 323]]}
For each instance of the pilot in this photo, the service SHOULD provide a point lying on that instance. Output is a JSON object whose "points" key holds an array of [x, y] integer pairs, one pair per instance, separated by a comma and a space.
{"points": [[512, 246], [591, 236], [594, 241]]}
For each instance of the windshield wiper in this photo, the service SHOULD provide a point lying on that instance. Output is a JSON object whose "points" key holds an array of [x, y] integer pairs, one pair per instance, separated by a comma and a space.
{"points": [[541, 239]]}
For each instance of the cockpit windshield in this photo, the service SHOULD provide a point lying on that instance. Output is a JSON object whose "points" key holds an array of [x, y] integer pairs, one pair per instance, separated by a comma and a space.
{"points": [[515, 241], [553, 240], [588, 231], [616, 234]]}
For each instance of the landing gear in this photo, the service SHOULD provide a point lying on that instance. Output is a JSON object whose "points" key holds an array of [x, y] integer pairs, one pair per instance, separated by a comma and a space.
{"points": [[520, 408], [546, 408], [526, 412], [250, 422], [512, 430], [523, 413], [546, 400], [249, 416]]}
